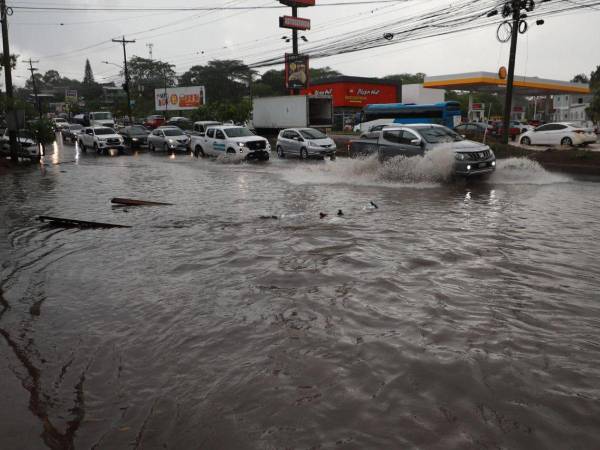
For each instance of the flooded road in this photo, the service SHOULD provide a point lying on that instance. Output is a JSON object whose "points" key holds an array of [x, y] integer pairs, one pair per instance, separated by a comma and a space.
{"points": [[456, 315]]}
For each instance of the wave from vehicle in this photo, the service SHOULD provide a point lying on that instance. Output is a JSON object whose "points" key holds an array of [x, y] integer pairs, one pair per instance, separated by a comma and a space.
{"points": [[524, 171], [419, 171]]}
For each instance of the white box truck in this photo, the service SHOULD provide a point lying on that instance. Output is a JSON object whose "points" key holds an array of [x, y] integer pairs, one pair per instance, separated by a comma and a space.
{"points": [[272, 114]]}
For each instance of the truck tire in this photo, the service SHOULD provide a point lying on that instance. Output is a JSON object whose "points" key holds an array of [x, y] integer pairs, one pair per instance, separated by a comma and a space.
{"points": [[230, 151], [82, 146], [280, 153], [97, 150], [199, 152], [303, 153]]}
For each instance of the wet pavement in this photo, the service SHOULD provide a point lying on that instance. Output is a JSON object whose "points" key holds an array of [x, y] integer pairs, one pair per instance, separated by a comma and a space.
{"points": [[455, 315]]}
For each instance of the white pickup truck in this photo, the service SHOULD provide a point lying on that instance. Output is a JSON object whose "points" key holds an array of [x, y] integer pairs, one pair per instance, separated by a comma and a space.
{"points": [[101, 139], [231, 140]]}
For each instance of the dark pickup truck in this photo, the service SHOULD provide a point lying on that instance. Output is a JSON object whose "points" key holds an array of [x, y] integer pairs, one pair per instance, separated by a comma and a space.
{"points": [[470, 158]]}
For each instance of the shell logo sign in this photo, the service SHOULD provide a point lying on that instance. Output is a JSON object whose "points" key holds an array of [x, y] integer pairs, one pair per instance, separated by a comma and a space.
{"points": [[180, 98]]}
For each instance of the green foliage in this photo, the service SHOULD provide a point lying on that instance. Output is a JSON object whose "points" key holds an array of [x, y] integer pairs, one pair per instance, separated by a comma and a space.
{"points": [[224, 80], [580, 78], [43, 130], [407, 78], [594, 109], [13, 61], [88, 75], [272, 82], [224, 110]]}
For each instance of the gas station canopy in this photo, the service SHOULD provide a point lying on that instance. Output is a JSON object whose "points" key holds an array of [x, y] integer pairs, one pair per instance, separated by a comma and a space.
{"points": [[492, 83]]}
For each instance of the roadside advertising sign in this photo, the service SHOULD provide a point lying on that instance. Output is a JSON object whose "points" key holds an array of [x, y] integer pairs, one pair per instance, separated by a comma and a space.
{"points": [[477, 107], [295, 23], [297, 3], [355, 95], [179, 98], [70, 96], [296, 71]]}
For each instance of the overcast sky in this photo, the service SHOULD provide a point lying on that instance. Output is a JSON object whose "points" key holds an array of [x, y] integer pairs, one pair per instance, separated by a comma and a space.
{"points": [[561, 48]]}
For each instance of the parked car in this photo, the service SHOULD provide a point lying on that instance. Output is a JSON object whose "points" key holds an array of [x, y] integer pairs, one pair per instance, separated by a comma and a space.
{"points": [[374, 131], [100, 139], [168, 139], [472, 130], [59, 123], [471, 158], [27, 146], [181, 122], [521, 126], [135, 135], [154, 121], [559, 133], [231, 140], [497, 130], [71, 132], [200, 127], [305, 143]]}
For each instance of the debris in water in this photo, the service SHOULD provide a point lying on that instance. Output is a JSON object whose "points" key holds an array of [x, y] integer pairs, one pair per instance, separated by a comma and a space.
{"points": [[73, 223], [340, 212], [322, 215], [374, 205], [133, 202], [269, 217]]}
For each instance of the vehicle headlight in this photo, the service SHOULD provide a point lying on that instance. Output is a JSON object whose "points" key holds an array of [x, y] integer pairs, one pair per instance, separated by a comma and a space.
{"points": [[171, 141], [460, 156], [241, 144], [102, 139], [134, 139]]}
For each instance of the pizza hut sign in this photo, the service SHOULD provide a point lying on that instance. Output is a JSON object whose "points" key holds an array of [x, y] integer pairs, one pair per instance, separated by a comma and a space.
{"points": [[365, 91], [323, 92]]}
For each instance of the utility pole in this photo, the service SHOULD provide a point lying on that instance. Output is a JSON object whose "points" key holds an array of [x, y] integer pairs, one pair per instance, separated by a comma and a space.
{"points": [[35, 91], [12, 134], [295, 42], [126, 85], [516, 18]]}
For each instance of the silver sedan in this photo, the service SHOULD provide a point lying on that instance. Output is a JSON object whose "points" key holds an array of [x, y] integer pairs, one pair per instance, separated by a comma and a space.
{"points": [[305, 143], [169, 139]]}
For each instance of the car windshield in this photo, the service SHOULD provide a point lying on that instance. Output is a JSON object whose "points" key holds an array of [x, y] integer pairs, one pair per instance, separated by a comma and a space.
{"points": [[437, 135], [173, 132], [102, 116], [137, 130], [101, 131], [238, 132], [311, 133]]}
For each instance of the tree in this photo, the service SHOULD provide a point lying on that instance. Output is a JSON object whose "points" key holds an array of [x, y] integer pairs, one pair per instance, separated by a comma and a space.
{"points": [[580, 78], [52, 78], [407, 78], [88, 75], [224, 80], [594, 109], [13, 61], [323, 73]]}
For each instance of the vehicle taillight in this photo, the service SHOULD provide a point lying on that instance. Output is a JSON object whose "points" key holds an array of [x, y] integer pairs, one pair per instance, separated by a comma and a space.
{"points": [[579, 131]]}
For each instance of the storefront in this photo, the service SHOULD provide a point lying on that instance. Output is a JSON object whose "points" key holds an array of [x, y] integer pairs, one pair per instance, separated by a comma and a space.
{"points": [[351, 94]]}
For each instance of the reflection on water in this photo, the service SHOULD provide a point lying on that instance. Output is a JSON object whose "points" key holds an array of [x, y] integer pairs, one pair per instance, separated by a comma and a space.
{"points": [[455, 315]]}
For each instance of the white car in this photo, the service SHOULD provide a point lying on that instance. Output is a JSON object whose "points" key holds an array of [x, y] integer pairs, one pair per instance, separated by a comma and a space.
{"points": [[231, 140], [560, 133], [168, 139], [101, 139], [305, 143], [59, 123], [27, 148]]}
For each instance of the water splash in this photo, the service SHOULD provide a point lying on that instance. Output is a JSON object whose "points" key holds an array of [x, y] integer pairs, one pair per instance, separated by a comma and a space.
{"points": [[524, 171], [429, 170]]}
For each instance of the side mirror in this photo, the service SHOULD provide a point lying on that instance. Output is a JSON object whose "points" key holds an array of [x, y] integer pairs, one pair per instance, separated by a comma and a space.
{"points": [[416, 142], [463, 136]]}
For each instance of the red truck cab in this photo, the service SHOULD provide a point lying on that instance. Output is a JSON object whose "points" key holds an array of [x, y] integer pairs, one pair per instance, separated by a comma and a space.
{"points": [[154, 121]]}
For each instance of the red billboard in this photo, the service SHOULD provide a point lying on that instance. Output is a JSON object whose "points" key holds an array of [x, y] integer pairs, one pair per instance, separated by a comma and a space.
{"points": [[354, 94], [298, 3], [295, 23]]}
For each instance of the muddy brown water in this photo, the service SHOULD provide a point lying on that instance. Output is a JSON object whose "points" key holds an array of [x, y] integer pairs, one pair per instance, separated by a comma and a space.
{"points": [[456, 315]]}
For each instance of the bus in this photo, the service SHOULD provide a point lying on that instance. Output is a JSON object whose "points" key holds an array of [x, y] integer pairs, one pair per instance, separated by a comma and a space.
{"points": [[444, 113]]}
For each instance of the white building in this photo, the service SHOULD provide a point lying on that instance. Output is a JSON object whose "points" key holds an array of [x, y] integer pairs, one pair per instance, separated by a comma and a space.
{"points": [[571, 108]]}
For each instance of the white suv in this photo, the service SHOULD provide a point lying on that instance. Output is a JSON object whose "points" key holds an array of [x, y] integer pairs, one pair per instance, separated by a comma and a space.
{"points": [[27, 146], [231, 140], [101, 139]]}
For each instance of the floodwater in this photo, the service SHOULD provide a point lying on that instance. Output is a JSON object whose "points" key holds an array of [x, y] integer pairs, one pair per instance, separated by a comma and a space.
{"points": [[455, 315]]}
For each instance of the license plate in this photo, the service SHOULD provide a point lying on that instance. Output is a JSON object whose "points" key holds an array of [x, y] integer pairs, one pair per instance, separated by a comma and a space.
{"points": [[481, 165]]}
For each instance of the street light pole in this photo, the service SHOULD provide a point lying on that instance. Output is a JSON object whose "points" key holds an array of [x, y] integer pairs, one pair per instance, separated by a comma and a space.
{"points": [[35, 91]]}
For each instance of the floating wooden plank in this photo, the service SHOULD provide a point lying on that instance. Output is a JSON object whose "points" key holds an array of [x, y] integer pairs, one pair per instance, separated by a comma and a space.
{"points": [[133, 202], [73, 223]]}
